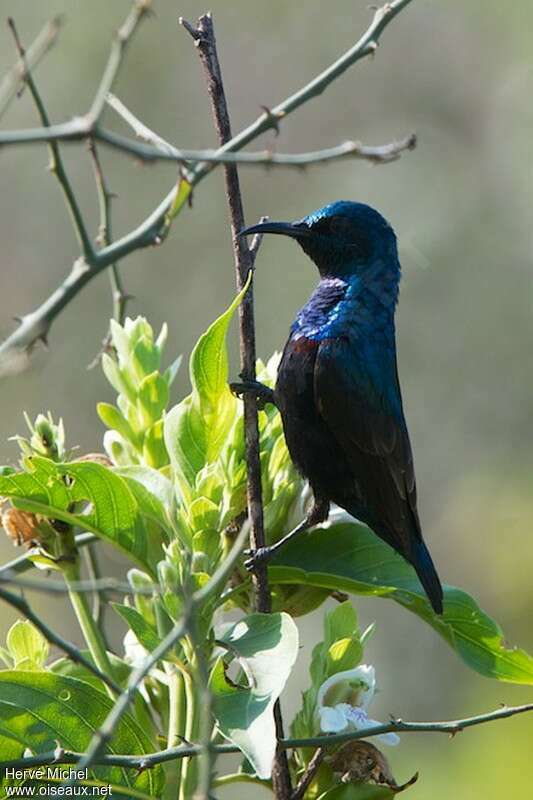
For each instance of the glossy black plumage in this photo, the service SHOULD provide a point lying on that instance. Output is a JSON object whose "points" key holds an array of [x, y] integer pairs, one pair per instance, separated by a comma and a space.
{"points": [[338, 390]]}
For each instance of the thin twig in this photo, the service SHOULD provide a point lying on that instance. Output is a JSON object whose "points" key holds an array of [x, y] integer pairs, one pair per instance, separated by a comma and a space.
{"points": [[308, 775], [35, 325], [123, 37], [244, 259], [119, 297], [151, 151], [57, 641], [150, 760], [13, 81], [159, 149], [160, 145], [164, 151], [56, 165], [85, 126], [83, 587], [105, 234]]}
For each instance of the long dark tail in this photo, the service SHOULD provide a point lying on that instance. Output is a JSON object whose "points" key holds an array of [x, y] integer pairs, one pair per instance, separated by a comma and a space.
{"points": [[427, 574]]}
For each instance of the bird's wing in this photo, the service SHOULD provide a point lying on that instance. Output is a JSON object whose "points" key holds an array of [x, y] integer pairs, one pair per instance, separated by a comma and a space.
{"points": [[357, 394]]}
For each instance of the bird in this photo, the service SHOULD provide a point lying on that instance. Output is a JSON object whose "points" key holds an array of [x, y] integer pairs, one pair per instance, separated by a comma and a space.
{"points": [[338, 389]]}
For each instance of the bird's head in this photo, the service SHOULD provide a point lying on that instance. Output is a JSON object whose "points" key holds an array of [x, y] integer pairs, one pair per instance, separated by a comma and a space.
{"points": [[341, 238]]}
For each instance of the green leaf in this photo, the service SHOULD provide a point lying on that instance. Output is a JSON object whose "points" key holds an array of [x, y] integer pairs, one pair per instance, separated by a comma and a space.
{"points": [[197, 428], [349, 557], [340, 650], [27, 646], [186, 455], [152, 491], [113, 512], [121, 672], [144, 632], [9, 751], [153, 396], [116, 378], [145, 357], [154, 449], [209, 360], [267, 646], [183, 190], [172, 371], [114, 419], [69, 669], [40, 710]]}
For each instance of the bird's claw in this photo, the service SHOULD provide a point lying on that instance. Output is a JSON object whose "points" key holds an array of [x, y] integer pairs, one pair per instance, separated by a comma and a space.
{"points": [[238, 389], [256, 558], [263, 394]]}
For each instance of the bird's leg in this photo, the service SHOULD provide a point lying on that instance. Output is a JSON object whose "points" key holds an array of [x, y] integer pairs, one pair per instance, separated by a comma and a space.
{"points": [[318, 513], [263, 394]]}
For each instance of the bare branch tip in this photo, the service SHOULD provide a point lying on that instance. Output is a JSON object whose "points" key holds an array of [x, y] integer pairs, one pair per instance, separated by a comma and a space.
{"points": [[18, 44], [194, 32], [58, 20]]}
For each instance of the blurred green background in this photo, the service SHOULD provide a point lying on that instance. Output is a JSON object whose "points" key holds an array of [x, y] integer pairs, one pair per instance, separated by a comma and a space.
{"points": [[461, 76]]}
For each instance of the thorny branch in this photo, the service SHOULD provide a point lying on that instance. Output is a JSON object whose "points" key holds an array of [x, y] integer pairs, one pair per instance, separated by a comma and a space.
{"points": [[56, 166], [15, 350], [158, 149], [105, 236], [150, 760], [13, 82], [34, 326]]}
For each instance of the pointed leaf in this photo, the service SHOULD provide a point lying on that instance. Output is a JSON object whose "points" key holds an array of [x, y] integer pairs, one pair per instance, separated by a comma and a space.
{"points": [[153, 395], [209, 360], [26, 644], [196, 429], [347, 556], [144, 632], [268, 644], [113, 419]]}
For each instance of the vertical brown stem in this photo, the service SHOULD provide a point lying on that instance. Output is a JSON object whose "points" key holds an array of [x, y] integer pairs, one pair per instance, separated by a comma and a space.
{"points": [[204, 38]]}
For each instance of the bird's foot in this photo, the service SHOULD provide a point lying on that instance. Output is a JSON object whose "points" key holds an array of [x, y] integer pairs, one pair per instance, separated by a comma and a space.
{"points": [[256, 558], [263, 394]]}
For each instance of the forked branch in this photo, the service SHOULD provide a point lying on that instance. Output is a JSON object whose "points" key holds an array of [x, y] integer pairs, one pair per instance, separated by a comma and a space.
{"points": [[152, 230]]}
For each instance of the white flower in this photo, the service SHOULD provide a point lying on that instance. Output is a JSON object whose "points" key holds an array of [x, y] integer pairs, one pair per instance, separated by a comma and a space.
{"points": [[343, 701]]}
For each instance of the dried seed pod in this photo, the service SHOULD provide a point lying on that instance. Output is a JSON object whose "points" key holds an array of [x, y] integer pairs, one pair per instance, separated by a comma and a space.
{"points": [[362, 762], [22, 527]]}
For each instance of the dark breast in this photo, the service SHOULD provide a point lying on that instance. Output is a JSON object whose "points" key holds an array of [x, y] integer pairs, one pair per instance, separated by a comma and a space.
{"points": [[313, 448]]}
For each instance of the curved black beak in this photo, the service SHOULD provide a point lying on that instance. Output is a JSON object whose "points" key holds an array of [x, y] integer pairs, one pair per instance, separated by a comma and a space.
{"points": [[297, 230]]}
